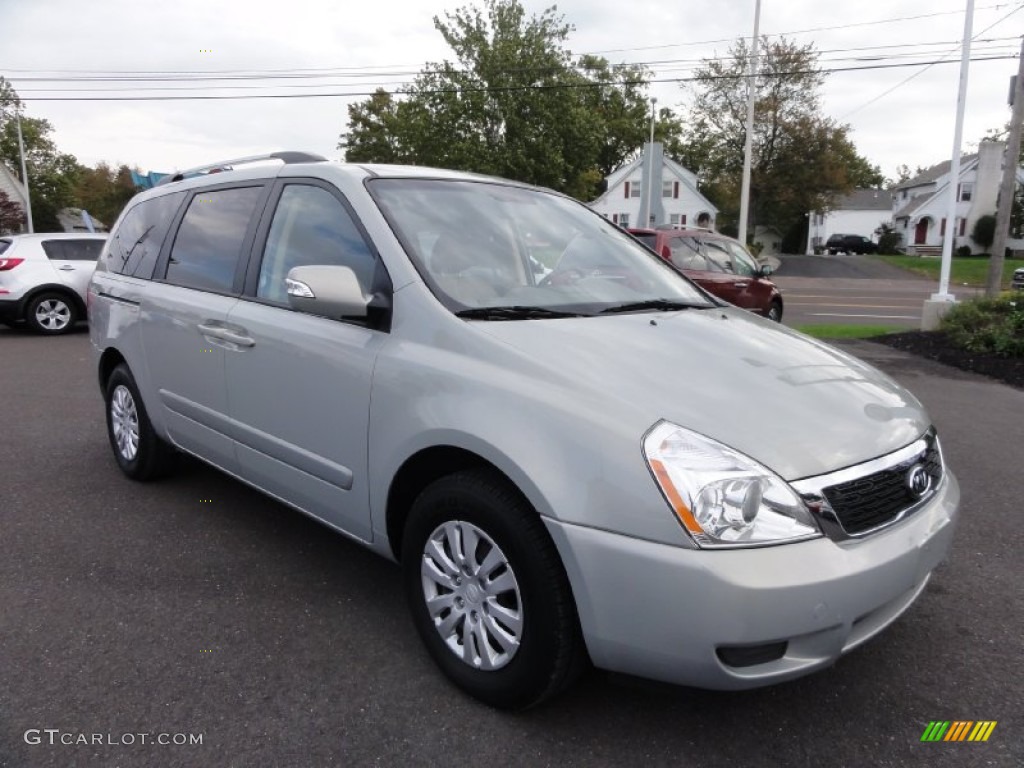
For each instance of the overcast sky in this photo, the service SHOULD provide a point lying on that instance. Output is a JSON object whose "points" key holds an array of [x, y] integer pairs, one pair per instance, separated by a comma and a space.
{"points": [[913, 124]]}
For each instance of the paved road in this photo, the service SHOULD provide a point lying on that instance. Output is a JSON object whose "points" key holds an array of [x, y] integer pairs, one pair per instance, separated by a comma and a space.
{"points": [[852, 290], [129, 608]]}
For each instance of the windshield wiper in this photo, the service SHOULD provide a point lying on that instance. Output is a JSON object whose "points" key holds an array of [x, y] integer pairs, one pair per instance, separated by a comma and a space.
{"points": [[514, 312], [664, 305]]}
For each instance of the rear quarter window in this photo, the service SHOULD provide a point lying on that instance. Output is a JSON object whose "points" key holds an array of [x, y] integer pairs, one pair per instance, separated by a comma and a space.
{"points": [[4, 245], [135, 245]]}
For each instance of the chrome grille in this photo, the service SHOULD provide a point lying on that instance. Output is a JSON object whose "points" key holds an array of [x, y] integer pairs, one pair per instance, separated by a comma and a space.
{"points": [[858, 500], [876, 499]]}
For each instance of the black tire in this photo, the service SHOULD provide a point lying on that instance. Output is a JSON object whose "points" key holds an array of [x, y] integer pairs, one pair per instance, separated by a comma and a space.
{"points": [[51, 313], [550, 652], [775, 311], [151, 457]]}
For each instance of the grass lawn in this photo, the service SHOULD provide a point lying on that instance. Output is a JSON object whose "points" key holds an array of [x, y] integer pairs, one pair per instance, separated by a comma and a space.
{"points": [[826, 331], [970, 271]]}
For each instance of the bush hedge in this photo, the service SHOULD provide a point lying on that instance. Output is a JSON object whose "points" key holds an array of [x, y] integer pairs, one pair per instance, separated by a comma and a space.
{"points": [[992, 326]]}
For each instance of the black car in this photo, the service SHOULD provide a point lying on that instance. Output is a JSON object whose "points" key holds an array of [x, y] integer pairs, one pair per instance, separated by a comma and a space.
{"points": [[1018, 279], [850, 244]]}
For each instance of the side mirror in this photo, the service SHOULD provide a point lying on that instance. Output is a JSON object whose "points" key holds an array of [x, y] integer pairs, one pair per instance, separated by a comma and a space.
{"points": [[765, 270], [328, 291]]}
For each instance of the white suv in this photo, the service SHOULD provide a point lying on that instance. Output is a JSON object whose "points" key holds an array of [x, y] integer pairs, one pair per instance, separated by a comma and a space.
{"points": [[43, 278]]}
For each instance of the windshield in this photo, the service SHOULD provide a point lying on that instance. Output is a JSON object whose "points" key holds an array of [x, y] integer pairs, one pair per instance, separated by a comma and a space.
{"points": [[480, 244]]}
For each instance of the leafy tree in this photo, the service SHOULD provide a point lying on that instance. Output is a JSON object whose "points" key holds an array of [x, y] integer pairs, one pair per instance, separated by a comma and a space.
{"points": [[984, 231], [52, 174], [513, 103], [104, 191], [801, 160], [12, 215]]}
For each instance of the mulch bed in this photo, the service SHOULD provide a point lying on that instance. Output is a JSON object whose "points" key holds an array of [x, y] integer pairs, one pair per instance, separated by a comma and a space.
{"points": [[934, 346]]}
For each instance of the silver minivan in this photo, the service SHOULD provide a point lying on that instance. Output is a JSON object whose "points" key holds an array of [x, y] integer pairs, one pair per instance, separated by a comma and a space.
{"points": [[575, 454]]}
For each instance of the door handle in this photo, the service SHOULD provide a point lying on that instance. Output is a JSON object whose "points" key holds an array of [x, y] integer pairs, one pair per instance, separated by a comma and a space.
{"points": [[741, 285], [66, 268], [224, 334]]}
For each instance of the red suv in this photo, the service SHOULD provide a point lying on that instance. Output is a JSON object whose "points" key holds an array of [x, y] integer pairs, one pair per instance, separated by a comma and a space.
{"points": [[718, 264]]}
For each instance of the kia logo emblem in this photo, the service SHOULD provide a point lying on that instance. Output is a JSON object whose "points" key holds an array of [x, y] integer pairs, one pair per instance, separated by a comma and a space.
{"points": [[919, 482]]}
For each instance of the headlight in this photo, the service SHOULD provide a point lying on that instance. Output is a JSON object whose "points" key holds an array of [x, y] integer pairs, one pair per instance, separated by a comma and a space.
{"points": [[721, 497]]}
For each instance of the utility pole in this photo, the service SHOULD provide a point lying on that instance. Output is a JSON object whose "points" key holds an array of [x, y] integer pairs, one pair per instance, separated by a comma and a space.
{"points": [[24, 175], [1009, 185], [650, 166], [939, 302], [749, 142]]}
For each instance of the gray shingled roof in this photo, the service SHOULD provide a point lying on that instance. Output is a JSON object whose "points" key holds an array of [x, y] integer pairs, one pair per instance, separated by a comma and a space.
{"points": [[912, 205], [929, 175], [866, 200]]}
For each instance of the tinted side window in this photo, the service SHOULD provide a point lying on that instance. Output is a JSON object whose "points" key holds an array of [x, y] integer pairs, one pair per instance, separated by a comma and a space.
{"points": [[137, 241], [4, 245], [209, 242], [82, 250], [311, 226], [686, 254], [54, 249]]}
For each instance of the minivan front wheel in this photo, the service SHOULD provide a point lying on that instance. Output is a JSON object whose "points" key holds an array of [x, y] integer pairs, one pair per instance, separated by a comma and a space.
{"points": [[51, 314], [488, 592], [140, 453]]}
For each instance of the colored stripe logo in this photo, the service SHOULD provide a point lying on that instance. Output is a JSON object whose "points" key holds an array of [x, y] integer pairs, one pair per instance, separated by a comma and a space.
{"points": [[958, 730]]}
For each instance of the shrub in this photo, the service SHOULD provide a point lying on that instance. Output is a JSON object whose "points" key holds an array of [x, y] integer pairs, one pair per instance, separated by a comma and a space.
{"points": [[889, 240], [963, 252], [992, 326], [984, 231]]}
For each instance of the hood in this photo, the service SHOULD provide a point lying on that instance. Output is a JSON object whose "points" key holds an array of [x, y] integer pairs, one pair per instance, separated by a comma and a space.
{"points": [[798, 406]]}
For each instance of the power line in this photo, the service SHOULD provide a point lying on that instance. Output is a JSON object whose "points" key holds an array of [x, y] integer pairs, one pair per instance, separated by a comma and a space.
{"points": [[502, 89], [944, 59], [404, 68]]}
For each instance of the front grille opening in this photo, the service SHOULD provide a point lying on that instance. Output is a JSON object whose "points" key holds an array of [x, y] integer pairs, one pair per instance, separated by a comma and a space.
{"points": [[874, 500], [751, 655]]}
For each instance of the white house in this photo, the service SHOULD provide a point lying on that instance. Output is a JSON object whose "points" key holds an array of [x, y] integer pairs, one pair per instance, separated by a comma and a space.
{"points": [[920, 205], [675, 201], [15, 190], [859, 213]]}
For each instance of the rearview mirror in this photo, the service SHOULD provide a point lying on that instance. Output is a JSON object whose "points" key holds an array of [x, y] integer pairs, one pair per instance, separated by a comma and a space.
{"points": [[327, 291]]}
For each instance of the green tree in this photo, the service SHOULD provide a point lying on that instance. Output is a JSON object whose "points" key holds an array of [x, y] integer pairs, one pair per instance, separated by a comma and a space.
{"points": [[104, 191], [513, 102], [801, 160], [52, 174]]}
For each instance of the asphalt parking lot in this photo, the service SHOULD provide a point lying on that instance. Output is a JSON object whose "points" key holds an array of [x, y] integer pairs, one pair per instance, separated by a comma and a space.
{"points": [[853, 290], [197, 606]]}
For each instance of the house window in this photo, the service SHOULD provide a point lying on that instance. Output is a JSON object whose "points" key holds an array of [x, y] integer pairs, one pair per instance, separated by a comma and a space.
{"points": [[634, 189], [666, 188], [673, 219], [623, 220], [966, 192]]}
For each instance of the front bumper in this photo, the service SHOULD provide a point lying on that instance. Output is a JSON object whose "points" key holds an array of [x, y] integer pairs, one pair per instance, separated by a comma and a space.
{"points": [[663, 612]]}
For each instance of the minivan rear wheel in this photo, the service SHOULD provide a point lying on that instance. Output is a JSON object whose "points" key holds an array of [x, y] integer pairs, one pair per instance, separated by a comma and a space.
{"points": [[139, 451], [51, 313], [488, 592]]}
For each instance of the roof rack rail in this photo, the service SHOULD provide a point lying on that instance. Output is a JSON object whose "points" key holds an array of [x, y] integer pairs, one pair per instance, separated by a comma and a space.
{"points": [[227, 165]]}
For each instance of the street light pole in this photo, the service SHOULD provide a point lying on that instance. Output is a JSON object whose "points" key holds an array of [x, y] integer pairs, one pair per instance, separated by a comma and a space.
{"points": [[650, 168], [24, 175], [749, 142]]}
